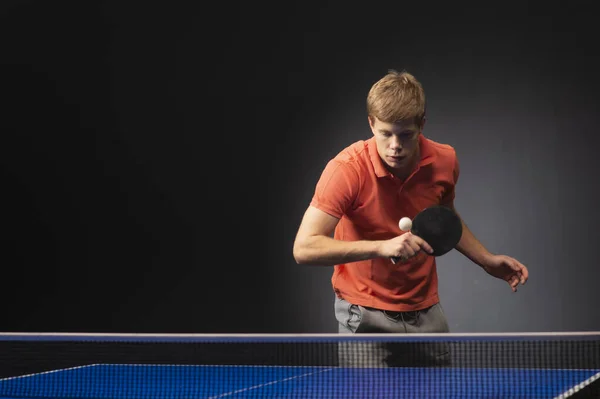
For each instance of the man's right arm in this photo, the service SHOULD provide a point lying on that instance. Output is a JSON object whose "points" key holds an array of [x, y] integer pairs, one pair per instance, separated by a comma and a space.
{"points": [[314, 244]]}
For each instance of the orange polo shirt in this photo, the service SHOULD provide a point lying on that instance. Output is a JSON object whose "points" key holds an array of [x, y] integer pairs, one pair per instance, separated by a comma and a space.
{"points": [[356, 187]]}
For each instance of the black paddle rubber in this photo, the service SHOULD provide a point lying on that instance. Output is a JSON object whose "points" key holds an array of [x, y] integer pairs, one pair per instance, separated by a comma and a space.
{"points": [[440, 227]]}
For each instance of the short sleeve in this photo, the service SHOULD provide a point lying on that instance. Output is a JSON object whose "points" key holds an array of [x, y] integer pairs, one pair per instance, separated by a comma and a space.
{"points": [[336, 189], [450, 192]]}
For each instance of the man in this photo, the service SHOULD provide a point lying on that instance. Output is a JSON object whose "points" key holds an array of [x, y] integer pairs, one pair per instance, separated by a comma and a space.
{"points": [[352, 221]]}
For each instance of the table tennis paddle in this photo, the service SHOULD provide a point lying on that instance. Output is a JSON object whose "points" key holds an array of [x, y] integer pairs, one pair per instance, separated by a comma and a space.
{"points": [[439, 226]]}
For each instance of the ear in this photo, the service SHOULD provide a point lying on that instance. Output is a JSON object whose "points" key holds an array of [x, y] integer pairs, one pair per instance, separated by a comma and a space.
{"points": [[372, 123], [423, 123]]}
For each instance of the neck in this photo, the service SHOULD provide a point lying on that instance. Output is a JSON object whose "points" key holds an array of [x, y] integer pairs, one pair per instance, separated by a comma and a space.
{"points": [[405, 172]]}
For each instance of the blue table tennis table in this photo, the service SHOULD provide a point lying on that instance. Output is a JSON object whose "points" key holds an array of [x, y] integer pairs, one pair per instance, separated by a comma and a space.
{"points": [[193, 366], [125, 381]]}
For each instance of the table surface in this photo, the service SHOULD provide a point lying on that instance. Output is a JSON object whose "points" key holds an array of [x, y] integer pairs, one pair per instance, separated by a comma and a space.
{"points": [[188, 381]]}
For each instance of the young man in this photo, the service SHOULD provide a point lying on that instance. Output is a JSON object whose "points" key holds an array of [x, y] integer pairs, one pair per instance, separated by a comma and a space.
{"points": [[352, 220]]}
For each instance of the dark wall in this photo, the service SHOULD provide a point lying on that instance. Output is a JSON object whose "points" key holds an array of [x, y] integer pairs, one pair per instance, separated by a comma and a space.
{"points": [[157, 157]]}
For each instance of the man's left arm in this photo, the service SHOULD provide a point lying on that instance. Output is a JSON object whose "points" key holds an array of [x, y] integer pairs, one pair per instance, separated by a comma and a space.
{"points": [[500, 266]]}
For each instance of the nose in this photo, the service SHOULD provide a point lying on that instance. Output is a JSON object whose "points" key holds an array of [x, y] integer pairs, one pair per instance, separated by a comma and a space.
{"points": [[395, 143]]}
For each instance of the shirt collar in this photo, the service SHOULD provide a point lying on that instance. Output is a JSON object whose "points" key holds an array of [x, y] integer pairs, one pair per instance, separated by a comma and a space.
{"points": [[427, 155]]}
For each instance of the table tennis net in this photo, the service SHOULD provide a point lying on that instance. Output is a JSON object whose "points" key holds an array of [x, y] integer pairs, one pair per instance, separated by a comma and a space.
{"points": [[299, 366]]}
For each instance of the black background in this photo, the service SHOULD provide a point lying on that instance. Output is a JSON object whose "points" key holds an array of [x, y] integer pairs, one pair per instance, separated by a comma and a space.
{"points": [[156, 157]]}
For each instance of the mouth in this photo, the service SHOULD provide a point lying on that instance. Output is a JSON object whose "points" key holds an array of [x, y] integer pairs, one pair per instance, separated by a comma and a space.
{"points": [[397, 158]]}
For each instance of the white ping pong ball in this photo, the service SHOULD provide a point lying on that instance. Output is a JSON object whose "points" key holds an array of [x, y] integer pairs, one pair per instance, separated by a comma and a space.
{"points": [[405, 224]]}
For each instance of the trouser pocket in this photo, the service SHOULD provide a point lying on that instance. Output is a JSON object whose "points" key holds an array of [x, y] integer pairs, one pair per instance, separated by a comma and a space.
{"points": [[348, 315]]}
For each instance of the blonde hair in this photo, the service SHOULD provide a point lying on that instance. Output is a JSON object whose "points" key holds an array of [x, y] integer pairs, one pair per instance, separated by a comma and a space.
{"points": [[396, 97]]}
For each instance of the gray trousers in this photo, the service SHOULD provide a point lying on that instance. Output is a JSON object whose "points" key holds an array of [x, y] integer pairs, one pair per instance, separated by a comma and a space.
{"points": [[356, 319]]}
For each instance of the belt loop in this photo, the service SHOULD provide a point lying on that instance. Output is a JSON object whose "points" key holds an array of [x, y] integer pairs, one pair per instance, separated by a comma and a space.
{"points": [[403, 322]]}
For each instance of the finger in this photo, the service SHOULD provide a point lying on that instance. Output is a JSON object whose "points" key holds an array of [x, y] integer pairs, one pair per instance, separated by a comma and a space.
{"points": [[514, 264], [521, 270], [517, 279], [427, 247], [415, 246], [524, 274], [513, 282], [423, 244]]}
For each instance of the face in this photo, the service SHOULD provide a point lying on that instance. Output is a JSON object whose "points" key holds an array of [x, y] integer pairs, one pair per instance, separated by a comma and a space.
{"points": [[397, 143]]}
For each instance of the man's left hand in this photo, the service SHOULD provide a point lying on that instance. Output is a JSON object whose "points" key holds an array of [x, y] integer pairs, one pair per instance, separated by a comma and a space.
{"points": [[508, 269]]}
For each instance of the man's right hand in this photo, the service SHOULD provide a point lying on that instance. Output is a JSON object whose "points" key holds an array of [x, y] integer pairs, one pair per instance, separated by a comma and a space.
{"points": [[404, 247]]}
